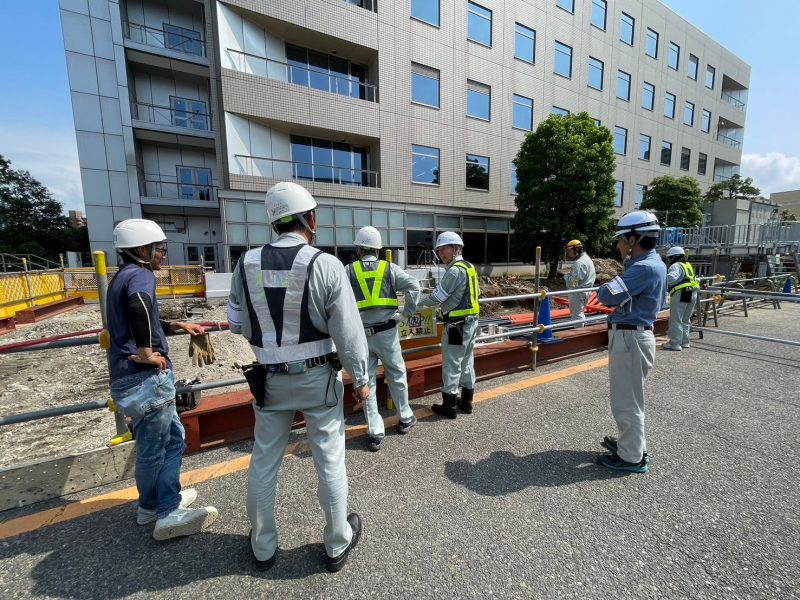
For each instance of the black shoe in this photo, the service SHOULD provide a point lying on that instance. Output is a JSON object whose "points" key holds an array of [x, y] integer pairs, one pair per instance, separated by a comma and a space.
{"points": [[261, 565], [403, 427], [448, 406], [374, 443], [613, 461], [610, 442], [335, 565], [465, 403]]}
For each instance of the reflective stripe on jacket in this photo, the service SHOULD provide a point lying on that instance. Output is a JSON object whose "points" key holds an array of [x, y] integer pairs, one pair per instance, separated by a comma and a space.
{"points": [[381, 292], [689, 279], [468, 305]]}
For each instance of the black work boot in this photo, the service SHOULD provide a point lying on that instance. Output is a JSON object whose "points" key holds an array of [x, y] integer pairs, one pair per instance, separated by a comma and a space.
{"points": [[465, 404], [448, 407]]}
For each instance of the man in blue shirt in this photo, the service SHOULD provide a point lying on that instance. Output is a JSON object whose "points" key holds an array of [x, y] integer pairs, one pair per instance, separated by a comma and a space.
{"points": [[637, 296], [142, 383]]}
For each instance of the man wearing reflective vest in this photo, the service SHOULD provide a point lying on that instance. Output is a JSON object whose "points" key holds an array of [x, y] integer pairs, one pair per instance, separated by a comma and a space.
{"points": [[293, 302], [375, 285], [457, 295], [682, 285]]}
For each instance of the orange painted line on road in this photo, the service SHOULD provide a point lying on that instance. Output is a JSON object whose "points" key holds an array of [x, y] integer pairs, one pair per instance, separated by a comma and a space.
{"points": [[95, 504]]}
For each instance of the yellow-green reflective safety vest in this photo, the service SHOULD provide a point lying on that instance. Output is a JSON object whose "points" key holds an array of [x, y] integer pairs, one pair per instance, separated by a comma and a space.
{"points": [[468, 305], [689, 279], [380, 294]]}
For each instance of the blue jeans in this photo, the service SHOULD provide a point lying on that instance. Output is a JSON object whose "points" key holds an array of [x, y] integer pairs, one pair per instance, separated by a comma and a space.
{"points": [[148, 398]]}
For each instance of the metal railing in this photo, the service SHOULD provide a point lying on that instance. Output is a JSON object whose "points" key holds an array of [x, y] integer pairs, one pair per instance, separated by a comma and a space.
{"points": [[166, 115], [761, 236], [733, 101], [720, 178], [721, 137], [303, 76], [273, 167], [167, 40], [167, 189], [14, 262]]}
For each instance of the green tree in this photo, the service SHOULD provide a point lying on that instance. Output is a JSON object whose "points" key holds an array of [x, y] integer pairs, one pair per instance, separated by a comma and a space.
{"points": [[786, 215], [735, 187], [31, 220], [565, 189], [676, 200]]}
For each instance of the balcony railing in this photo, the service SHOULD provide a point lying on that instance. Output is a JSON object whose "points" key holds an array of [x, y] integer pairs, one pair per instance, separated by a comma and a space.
{"points": [[761, 235], [172, 190], [371, 5], [166, 115], [170, 37], [728, 140], [299, 75], [720, 178], [272, 167], [734, 101]]}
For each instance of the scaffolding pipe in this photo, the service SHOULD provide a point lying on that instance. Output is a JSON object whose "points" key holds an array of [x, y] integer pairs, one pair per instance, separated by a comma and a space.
{"points": [[57, 411], [746, 335], [760, 294]]}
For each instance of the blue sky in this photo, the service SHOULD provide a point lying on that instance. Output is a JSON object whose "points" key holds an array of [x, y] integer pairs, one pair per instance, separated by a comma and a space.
{"points": [[36, 128]]}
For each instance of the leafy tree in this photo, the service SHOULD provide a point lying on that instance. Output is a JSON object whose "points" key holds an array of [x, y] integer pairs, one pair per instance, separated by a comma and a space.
{"points": [[735, 187], [565, 189], [31, 220], [786, 215], [675, 200]]}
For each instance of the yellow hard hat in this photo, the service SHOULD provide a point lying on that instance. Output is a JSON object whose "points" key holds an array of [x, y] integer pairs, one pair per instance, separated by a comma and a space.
{"points": [[574, 244]]}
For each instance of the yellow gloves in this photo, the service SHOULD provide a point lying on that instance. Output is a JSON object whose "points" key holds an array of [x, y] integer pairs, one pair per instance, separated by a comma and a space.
{"points": [[201, 351]]}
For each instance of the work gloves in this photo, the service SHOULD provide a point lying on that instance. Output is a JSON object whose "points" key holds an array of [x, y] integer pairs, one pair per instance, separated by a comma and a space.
{"points": [[201, 351]]}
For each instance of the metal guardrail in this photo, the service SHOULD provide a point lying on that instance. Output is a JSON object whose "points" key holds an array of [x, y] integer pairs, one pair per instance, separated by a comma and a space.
{"points": [[14, 262], [166, 189], [166, 115], [758, 236], [733, 101], [167, 40], [721, 137], [260, 166]]}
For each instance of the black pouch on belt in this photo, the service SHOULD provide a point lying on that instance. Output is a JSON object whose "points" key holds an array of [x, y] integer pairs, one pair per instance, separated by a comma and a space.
{"points": [[686, 295], [455, 333], [256, 376]]}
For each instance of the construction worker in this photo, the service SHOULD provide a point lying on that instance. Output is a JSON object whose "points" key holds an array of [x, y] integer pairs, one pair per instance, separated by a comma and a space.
{"points": [[581, 275], [683, 286], [375, 284], [143, 384], [293, 303], [457, 295], [637, 296]]}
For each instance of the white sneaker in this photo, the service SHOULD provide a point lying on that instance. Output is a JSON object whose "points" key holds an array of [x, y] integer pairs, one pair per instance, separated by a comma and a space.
{"points": [[686, 345], [184, 521], [669, 346], [145, 517]]}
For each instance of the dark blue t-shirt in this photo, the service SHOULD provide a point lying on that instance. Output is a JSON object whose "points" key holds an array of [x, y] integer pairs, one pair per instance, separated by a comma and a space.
{"points": [[130, 280]]}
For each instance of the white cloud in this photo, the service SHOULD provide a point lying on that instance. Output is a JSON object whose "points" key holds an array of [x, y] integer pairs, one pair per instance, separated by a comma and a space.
{"points": [[51, 156], [772, 172]]}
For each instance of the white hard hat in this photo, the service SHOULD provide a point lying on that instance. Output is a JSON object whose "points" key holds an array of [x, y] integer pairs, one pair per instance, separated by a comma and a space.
{"points": [[132, 233], [676, 251], [286, 199], [368, 237], [449, 238], [640, 222]]}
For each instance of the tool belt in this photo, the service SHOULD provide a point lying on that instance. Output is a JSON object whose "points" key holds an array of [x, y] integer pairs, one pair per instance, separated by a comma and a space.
{"points": [[373, 329], [455, 330], [685, 294], [256, 374]]}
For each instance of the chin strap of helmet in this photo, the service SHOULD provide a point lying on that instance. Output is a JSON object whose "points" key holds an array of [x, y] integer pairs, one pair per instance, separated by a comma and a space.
{"points": [[149, 263]]}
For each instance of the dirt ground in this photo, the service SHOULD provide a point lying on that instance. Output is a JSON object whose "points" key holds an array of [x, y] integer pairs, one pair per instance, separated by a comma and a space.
{"points": [[32, 381]]}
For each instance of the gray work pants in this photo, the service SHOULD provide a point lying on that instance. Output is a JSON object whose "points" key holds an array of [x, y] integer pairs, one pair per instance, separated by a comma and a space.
{"points": [[631, 355], [385, 346], [457, 360], [577, 302], [318, 393], [680, 317]]}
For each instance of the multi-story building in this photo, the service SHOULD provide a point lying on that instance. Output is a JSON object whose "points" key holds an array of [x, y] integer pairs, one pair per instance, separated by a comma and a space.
{"points": [[405, 115]]}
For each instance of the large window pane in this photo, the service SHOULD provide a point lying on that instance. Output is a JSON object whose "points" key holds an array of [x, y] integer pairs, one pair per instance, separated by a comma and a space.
{"points": [[644, 146], [362, 217], [561, 112], [666, 153], [234, 211], [626, 25], [344, 216], [302, 158], [474, 223], [619, 190], [596, 73], [563, 62], [424, 85], [426, 10], [496, 247], [674, 56], [691, 70], [688, 113], [474, 250], [380, 218], [479, 100], [448, 223], [496, 224], [322, 154], [686, 159], [702, 161], [417, 243], [237, 233], [395, 219], [479, 24], [598, 18], [297, 58], [477, 172], [651, 43], [567, 5], [705, 124], [623, 85], [620, 140], [257, 234], [669, 105], [641, 190], [711, 73], [648, 95], [420, 220], [325, 237], [424, 164], [324, 215], [524, 43], [256, 212], [523, 113], [514, 180]]}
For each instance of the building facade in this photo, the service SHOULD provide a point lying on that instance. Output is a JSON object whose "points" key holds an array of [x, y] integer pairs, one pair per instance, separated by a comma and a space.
{"points": [[404, 115]]}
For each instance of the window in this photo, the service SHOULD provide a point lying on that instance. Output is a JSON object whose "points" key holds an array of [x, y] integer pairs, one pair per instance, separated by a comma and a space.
{"points": [[651, 44], [426, 11], [644, 146], [598, 18], [620, 140], [666, 153], [623, 85], [183, 40], [626, 25], [710, 75], [479, 100], [688, 113], [424, 85], [686, 158], [514, 180], [523, 113], [331, 162], [595, 73], [563, 64], [477, 172], [190, 114], [641, 191], [674, 56], [705, 121], [327, 73], [669, 105], [693, 66], [702, 161], [567, 5], [524, 43], [479, 24], [648, 95], [619, 190], [424, 164], [597, 122], [194, 183], [561, 112]]}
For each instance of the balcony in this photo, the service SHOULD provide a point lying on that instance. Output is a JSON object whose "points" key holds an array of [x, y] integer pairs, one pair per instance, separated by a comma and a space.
{"points": [[192, 194], [184, 116], [171, 39], [317, 172], [735, 102], [728, 140]]}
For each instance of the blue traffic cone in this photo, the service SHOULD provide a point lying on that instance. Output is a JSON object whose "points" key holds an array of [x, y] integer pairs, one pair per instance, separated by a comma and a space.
{"points": [[544, 319], [789, 285]]}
